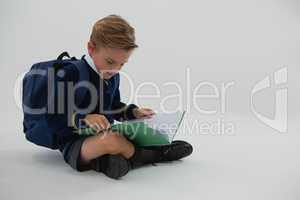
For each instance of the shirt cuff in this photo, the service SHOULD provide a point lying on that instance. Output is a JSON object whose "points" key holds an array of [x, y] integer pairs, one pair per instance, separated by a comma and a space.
{"points": [[129, 112]]}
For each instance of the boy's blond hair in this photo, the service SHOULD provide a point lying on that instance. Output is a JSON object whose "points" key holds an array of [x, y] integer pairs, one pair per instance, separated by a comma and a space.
{"points": [[113, 32]]}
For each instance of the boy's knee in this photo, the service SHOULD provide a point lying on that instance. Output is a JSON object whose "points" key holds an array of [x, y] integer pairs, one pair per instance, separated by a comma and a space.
{"points": [[113, 143]]}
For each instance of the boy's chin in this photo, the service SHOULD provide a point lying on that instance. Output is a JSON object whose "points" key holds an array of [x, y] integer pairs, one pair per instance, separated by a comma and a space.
{"points": [[107, 77]]}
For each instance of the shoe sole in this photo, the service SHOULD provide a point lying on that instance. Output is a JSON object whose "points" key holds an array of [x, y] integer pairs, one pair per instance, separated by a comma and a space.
{"points": [[183, 149]]}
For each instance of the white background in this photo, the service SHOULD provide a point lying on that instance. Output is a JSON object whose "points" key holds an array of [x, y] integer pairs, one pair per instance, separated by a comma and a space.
{"points": [[217, 41]]}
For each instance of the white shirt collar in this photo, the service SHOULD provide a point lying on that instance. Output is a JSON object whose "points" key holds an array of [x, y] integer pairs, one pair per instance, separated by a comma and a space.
{"points": [[91, 63]]}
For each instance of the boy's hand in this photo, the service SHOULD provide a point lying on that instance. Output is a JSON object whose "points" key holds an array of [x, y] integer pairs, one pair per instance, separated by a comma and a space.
{"points": [[97, 121], [143, 113]]}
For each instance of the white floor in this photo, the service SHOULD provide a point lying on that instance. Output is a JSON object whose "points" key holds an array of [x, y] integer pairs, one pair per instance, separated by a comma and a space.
{"points": [[254, 163]]}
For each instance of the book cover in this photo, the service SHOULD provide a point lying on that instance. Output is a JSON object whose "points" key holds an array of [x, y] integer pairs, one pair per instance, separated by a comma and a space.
{"points": [[160, 129]]}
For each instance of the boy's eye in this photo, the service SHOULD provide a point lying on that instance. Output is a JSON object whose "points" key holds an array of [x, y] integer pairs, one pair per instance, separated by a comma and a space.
{"points": [[109, 62]]}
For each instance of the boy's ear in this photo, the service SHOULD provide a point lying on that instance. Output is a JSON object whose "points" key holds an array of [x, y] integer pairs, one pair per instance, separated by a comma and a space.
{"points": [[91, 47]]}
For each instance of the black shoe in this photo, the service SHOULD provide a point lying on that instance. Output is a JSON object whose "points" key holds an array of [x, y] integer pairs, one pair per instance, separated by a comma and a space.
{"points": [[113, 166], [143, 157], [176, 150]]}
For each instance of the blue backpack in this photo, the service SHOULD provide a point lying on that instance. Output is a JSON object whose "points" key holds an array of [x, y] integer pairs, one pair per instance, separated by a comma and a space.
{"points": [[40, 126]]}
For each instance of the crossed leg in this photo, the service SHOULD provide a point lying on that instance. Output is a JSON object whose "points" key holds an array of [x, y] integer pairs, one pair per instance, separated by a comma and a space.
{"points": [[105, 143]]}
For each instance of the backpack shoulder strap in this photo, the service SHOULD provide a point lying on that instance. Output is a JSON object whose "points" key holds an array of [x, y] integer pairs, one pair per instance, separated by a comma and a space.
{"points": [[83, 79], [83, 75]]}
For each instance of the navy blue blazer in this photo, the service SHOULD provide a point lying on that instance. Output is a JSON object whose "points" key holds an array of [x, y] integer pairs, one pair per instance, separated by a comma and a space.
{"points": [[108, 98]]}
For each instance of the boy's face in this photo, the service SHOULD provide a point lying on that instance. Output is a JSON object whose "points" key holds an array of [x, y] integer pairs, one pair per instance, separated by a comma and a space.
{"points": [[108, 61]]}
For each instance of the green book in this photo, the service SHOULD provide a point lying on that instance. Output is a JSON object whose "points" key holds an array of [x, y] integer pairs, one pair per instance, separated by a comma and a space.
{"points": [[158, 130]]}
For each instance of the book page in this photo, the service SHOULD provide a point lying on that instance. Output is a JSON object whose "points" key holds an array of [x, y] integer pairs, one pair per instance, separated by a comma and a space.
{"points": [[165, 123]]}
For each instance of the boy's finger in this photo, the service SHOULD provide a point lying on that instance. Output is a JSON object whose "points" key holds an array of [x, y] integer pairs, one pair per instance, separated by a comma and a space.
{"points": [[149, 113], [107, 123], [104, 123], [100, 125], [88, 123], [96, 127], [148, 110]]}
